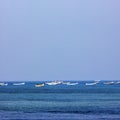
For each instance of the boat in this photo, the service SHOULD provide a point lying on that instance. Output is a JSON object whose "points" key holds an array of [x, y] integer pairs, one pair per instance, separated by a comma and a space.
{"points": [[72, 83], [109, 83], [117, 82], [54, 83], [3, 84], [97, 81], [39, 85], [94, 83], [19, 83], [65, 83]]}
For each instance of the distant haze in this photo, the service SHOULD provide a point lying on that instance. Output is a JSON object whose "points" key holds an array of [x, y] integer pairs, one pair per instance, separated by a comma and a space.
{"points": [[59, 39]]}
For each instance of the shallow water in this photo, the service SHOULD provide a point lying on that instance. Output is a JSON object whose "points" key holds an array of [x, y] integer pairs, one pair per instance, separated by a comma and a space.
{"points": [[60, 102]]}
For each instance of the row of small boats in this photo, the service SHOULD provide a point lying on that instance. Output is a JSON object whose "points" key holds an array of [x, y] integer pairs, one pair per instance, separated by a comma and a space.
{"points": [[106, 83], [75, 83], [56, 83], [40, 85], [61, 82], [5, 84]]}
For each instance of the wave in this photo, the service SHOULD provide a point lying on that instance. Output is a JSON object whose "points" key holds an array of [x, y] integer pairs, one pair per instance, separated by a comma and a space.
{"points": [[59, 107], [55, 116]]}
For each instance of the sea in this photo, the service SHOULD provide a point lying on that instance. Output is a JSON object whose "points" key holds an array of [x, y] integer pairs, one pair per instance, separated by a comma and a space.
{"points": [[60, 102]]}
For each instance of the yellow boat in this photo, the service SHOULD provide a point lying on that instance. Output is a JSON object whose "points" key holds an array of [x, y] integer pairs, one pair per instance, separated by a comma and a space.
{"points": [[39, 85]]}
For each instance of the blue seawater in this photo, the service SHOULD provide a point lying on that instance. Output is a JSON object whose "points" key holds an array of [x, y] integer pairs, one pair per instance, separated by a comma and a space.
{"points": [[60, 102]]}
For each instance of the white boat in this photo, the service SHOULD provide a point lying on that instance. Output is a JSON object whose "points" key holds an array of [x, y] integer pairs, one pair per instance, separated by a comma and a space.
{"points": [[3, 84], [54, 83], [97, 81], [94, 83], [65, 83], [117, 82], [109, 83], [73, 83], [19, 83], [39, 85]]}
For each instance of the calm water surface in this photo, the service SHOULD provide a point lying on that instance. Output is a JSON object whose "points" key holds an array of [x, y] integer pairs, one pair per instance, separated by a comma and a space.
{"points": [[60, 102]]}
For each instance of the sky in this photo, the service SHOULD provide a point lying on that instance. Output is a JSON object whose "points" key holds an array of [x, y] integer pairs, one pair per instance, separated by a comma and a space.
{"points": [[59, 40]]}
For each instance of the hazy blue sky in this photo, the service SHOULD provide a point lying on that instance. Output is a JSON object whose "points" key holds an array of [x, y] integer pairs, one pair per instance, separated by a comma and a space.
{"points": [[59, 39]]}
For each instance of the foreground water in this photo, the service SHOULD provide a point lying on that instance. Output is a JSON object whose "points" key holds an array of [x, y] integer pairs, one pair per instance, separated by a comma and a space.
{"points": [[60, 102]]}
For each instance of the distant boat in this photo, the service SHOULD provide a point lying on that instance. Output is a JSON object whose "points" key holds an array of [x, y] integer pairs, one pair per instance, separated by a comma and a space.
{"points": [[117, 82], [19, 83], [72, 83], [109, 83], [65, 83], [54, 83], [97, 81], [94, 83], [3, 84], [39, 85]]}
